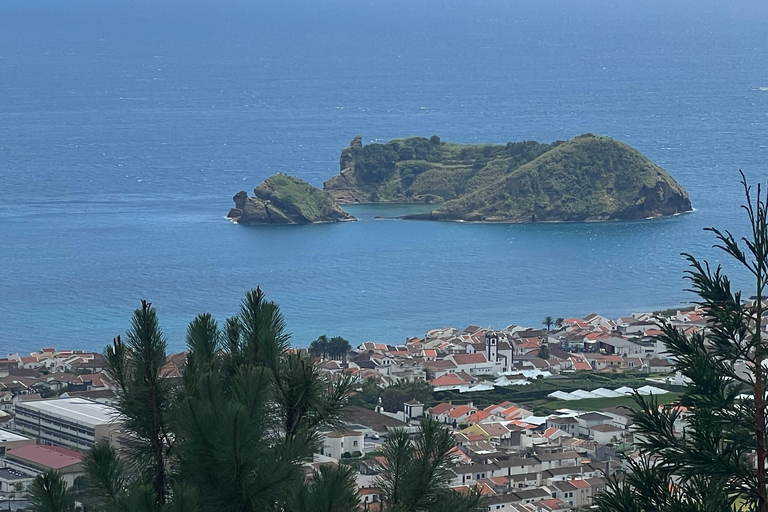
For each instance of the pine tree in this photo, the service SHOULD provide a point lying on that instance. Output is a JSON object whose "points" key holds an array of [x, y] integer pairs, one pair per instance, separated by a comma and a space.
{"points": [[49, 493], [415, 474], [145, 399], [716, 461]]}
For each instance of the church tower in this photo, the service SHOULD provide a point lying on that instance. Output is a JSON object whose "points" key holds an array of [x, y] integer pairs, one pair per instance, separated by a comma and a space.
{"points": [[492, 346]]}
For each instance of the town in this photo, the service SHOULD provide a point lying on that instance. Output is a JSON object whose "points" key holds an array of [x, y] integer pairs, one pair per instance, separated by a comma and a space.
{"points": [[540, 415]]}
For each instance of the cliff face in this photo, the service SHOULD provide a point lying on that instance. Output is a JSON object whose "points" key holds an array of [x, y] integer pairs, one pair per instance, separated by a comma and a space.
{"points": [[423, 170], [283, 199], [586, 178]]}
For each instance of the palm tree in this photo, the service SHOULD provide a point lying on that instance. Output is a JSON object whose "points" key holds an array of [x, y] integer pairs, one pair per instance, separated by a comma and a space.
{"points": [[340, 347], [49, 493], [548, 322], [415, 475], [320, 347], [144, 398], [559, 322]]}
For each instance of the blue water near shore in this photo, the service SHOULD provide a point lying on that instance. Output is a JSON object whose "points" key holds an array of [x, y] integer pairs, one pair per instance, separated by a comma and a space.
{"points": [[126, 127]]}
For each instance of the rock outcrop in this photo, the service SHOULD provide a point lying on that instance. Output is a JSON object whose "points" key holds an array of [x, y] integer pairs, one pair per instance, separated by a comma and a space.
{"points": [[587, 178], [284, 199]]}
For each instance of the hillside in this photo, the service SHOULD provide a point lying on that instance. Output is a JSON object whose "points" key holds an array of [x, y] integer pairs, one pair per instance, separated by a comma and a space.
{"points": [[585, 178], [283, 199]]}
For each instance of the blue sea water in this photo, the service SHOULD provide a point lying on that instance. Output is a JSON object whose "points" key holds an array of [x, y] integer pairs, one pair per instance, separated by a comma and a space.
{"points": [[127, 126]]}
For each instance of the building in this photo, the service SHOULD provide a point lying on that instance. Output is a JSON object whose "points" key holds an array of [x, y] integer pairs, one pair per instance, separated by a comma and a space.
{"points": [[35, 459], [620, 346], [72, 422], [340, 442], [592, 419], [567, 424], [606, 433], [10, 440], [14, 482], [413, 409]]}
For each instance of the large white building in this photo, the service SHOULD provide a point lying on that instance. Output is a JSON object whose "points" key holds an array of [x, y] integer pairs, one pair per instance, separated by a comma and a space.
{"points": [[73, 422]]}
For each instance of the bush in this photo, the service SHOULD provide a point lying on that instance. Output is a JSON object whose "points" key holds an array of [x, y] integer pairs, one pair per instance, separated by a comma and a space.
{"points": [[357, 453]]}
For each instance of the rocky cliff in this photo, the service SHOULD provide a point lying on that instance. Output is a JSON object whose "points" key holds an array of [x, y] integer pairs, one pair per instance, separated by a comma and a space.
{"points": [[283, 199], [585, 178]]}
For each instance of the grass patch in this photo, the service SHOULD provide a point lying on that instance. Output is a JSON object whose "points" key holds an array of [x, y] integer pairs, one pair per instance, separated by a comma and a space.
{"points": [[596, 404]]}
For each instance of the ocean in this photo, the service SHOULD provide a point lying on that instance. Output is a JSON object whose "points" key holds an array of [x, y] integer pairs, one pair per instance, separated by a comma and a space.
{"points": [[127, 126]]}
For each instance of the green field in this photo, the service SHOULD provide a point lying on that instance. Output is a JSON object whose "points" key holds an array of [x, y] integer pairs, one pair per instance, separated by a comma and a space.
{"points": [[596, 404]]}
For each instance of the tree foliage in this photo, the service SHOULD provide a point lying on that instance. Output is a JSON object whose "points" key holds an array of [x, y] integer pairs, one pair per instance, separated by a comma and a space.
{"points": [[393, 397], [708, 452], [239, 428], [330, 348], [145, 399], [330, 489], [245, 421], [49, 493], [415, 474]]}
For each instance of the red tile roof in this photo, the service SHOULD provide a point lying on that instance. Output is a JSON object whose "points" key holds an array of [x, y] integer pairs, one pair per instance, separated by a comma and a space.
{"points": [[448, 379], [579, 484], [95, 379], [50, 456], [470, 358], [553, 503], [460, 411], [478, 416], [512, 413], [485, 490], [580, 364], [440, 408]]}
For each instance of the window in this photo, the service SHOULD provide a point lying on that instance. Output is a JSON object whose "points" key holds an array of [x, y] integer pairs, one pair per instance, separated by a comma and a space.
{"points": [[354, 443]]}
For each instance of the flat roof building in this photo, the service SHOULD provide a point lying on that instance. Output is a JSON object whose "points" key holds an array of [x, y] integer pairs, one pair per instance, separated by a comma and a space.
{"points": [[73, 422], [36, 459], [14, 482], [9, 440]]}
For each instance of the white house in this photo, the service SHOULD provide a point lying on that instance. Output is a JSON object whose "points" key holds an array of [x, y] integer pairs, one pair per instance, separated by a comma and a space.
{"points": [[606, 433], [592, 419], [339, 442], [567, 424], [473, 364]]}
